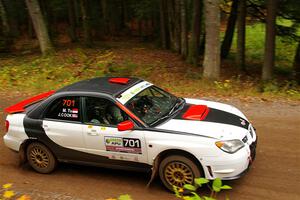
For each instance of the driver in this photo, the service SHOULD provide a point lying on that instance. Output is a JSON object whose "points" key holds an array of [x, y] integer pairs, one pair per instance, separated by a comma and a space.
{"points": [[143, 105]]}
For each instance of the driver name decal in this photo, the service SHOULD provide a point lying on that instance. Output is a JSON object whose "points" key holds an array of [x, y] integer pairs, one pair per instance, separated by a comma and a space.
{"points": [[124, 145], [69, 113]]}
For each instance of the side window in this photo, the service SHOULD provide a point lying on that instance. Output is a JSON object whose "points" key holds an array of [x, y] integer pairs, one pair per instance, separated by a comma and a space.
{"points": [[65, 108], [101, 111]]}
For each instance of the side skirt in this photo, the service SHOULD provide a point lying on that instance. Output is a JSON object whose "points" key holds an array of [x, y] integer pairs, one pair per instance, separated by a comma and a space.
{"points": [[114, 164]]}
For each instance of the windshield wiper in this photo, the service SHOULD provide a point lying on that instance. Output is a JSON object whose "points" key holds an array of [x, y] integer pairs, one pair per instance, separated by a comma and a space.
{"points": [[175, 107]]}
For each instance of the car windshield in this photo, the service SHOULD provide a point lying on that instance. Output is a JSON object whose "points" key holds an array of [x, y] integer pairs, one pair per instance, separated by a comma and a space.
{"points": [[153, 105]]}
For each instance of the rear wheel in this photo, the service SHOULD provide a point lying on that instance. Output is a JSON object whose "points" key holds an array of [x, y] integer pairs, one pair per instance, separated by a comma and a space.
{"points": [[40, 158], [177, 171]]}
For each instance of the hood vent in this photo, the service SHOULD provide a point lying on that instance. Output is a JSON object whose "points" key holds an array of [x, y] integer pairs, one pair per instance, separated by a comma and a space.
{"points": [[196, 112]]}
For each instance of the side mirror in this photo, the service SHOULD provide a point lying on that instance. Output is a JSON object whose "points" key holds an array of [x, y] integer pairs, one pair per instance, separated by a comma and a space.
{"points": [[125, 126]]}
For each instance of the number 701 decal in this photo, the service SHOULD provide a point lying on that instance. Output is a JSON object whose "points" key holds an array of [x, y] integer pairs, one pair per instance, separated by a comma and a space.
{"points": [[131, 142], [124, 145]]}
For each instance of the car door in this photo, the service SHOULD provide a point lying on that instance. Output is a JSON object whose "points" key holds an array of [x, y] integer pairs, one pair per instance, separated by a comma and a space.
{"points": [[101, 117], [62, 122]]}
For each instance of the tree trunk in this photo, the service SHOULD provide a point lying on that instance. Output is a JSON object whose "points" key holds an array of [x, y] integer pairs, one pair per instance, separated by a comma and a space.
{"points": [[4, 19], [241, 35], [297, 63], [72, 20], [49, 18], [177, 26], [39, 26], [163, 35], [226, 44], [12, 17], [183, 35], [124, 14], [211, 63], [7, 37], [87, 38], [104, 7], [170, 8], [269, 56], [194, 45]]}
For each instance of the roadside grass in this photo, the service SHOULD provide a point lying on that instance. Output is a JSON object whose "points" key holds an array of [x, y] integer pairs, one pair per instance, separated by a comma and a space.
{"points": [[31, 73]]}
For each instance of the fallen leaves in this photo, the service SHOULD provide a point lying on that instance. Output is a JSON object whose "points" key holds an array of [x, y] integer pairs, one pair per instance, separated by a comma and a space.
{"points": [[24, 197], [8, 194], [7, 186]]}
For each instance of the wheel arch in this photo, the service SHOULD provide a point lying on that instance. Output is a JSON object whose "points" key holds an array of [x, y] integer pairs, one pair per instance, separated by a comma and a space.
{"points": [[162, 155], [23, 148]]}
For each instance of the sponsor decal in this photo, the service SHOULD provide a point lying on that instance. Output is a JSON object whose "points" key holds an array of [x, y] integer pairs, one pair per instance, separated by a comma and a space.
{"points": [[131, 92], [124, 145]]}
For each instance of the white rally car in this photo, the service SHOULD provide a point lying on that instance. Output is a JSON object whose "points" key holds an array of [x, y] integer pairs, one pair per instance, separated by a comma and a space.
{"points": [[128, 123]]}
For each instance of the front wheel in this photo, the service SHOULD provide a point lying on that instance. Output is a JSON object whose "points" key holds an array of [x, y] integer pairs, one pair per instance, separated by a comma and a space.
{"points": [[177, 171], [40, 158]]}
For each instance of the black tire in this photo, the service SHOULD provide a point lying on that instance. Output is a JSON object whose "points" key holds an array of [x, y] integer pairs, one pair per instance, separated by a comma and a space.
{"points": [[178, 170], [40, 158]]}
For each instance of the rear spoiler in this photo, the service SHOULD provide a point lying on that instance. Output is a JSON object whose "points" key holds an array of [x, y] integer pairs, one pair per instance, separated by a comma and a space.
{"points": [[20, 107]]}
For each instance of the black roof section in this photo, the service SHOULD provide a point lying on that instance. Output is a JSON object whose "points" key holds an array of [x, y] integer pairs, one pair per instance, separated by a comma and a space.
{"points": [[100, 85]]}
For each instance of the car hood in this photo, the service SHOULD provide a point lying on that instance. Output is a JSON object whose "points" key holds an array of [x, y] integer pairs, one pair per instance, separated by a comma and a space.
{"points": [[209, 119]]}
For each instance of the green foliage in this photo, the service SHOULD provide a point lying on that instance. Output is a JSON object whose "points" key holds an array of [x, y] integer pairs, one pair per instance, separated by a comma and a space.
{"points": [[190, 187], [217, 184], [189, 191], [201, 181]]}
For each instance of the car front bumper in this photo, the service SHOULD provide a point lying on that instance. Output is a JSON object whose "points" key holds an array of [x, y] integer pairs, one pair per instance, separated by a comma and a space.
{"points": [[230, 166]]}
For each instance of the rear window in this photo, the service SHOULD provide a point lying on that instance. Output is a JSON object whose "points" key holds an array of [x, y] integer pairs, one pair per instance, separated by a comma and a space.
{"points": [[64, 108]]}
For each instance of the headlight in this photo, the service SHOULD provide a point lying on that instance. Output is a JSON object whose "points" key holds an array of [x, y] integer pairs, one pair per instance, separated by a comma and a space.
{"points": [[230, 146]]}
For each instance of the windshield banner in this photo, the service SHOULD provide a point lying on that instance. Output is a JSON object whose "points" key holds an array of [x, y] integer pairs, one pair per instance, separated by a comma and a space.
{"points": [[131, 92]]}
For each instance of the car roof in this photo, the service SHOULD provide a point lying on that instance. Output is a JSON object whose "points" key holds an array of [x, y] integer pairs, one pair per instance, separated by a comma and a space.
{"points": [[102, 85]]}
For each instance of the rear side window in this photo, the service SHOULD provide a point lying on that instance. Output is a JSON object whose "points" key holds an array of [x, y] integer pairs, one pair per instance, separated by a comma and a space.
{"points": [[65, 108]]}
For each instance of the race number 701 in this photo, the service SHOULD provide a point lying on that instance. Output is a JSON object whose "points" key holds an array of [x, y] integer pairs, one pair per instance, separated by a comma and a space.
{"points": [[131, 142]]}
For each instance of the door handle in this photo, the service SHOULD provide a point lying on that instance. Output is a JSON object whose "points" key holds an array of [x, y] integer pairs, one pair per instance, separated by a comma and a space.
{"points": [[93, 133]]}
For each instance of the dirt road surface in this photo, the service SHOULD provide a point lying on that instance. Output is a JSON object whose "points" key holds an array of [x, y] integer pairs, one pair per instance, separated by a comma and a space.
{"points": [[274, 175]]}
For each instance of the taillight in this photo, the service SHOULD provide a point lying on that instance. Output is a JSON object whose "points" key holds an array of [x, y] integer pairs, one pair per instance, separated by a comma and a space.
{"points": [[6, 126]]}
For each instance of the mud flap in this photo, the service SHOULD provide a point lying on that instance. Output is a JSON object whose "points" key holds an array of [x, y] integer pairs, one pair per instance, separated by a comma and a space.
{"points": [[154, 170], [22, 155]]}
